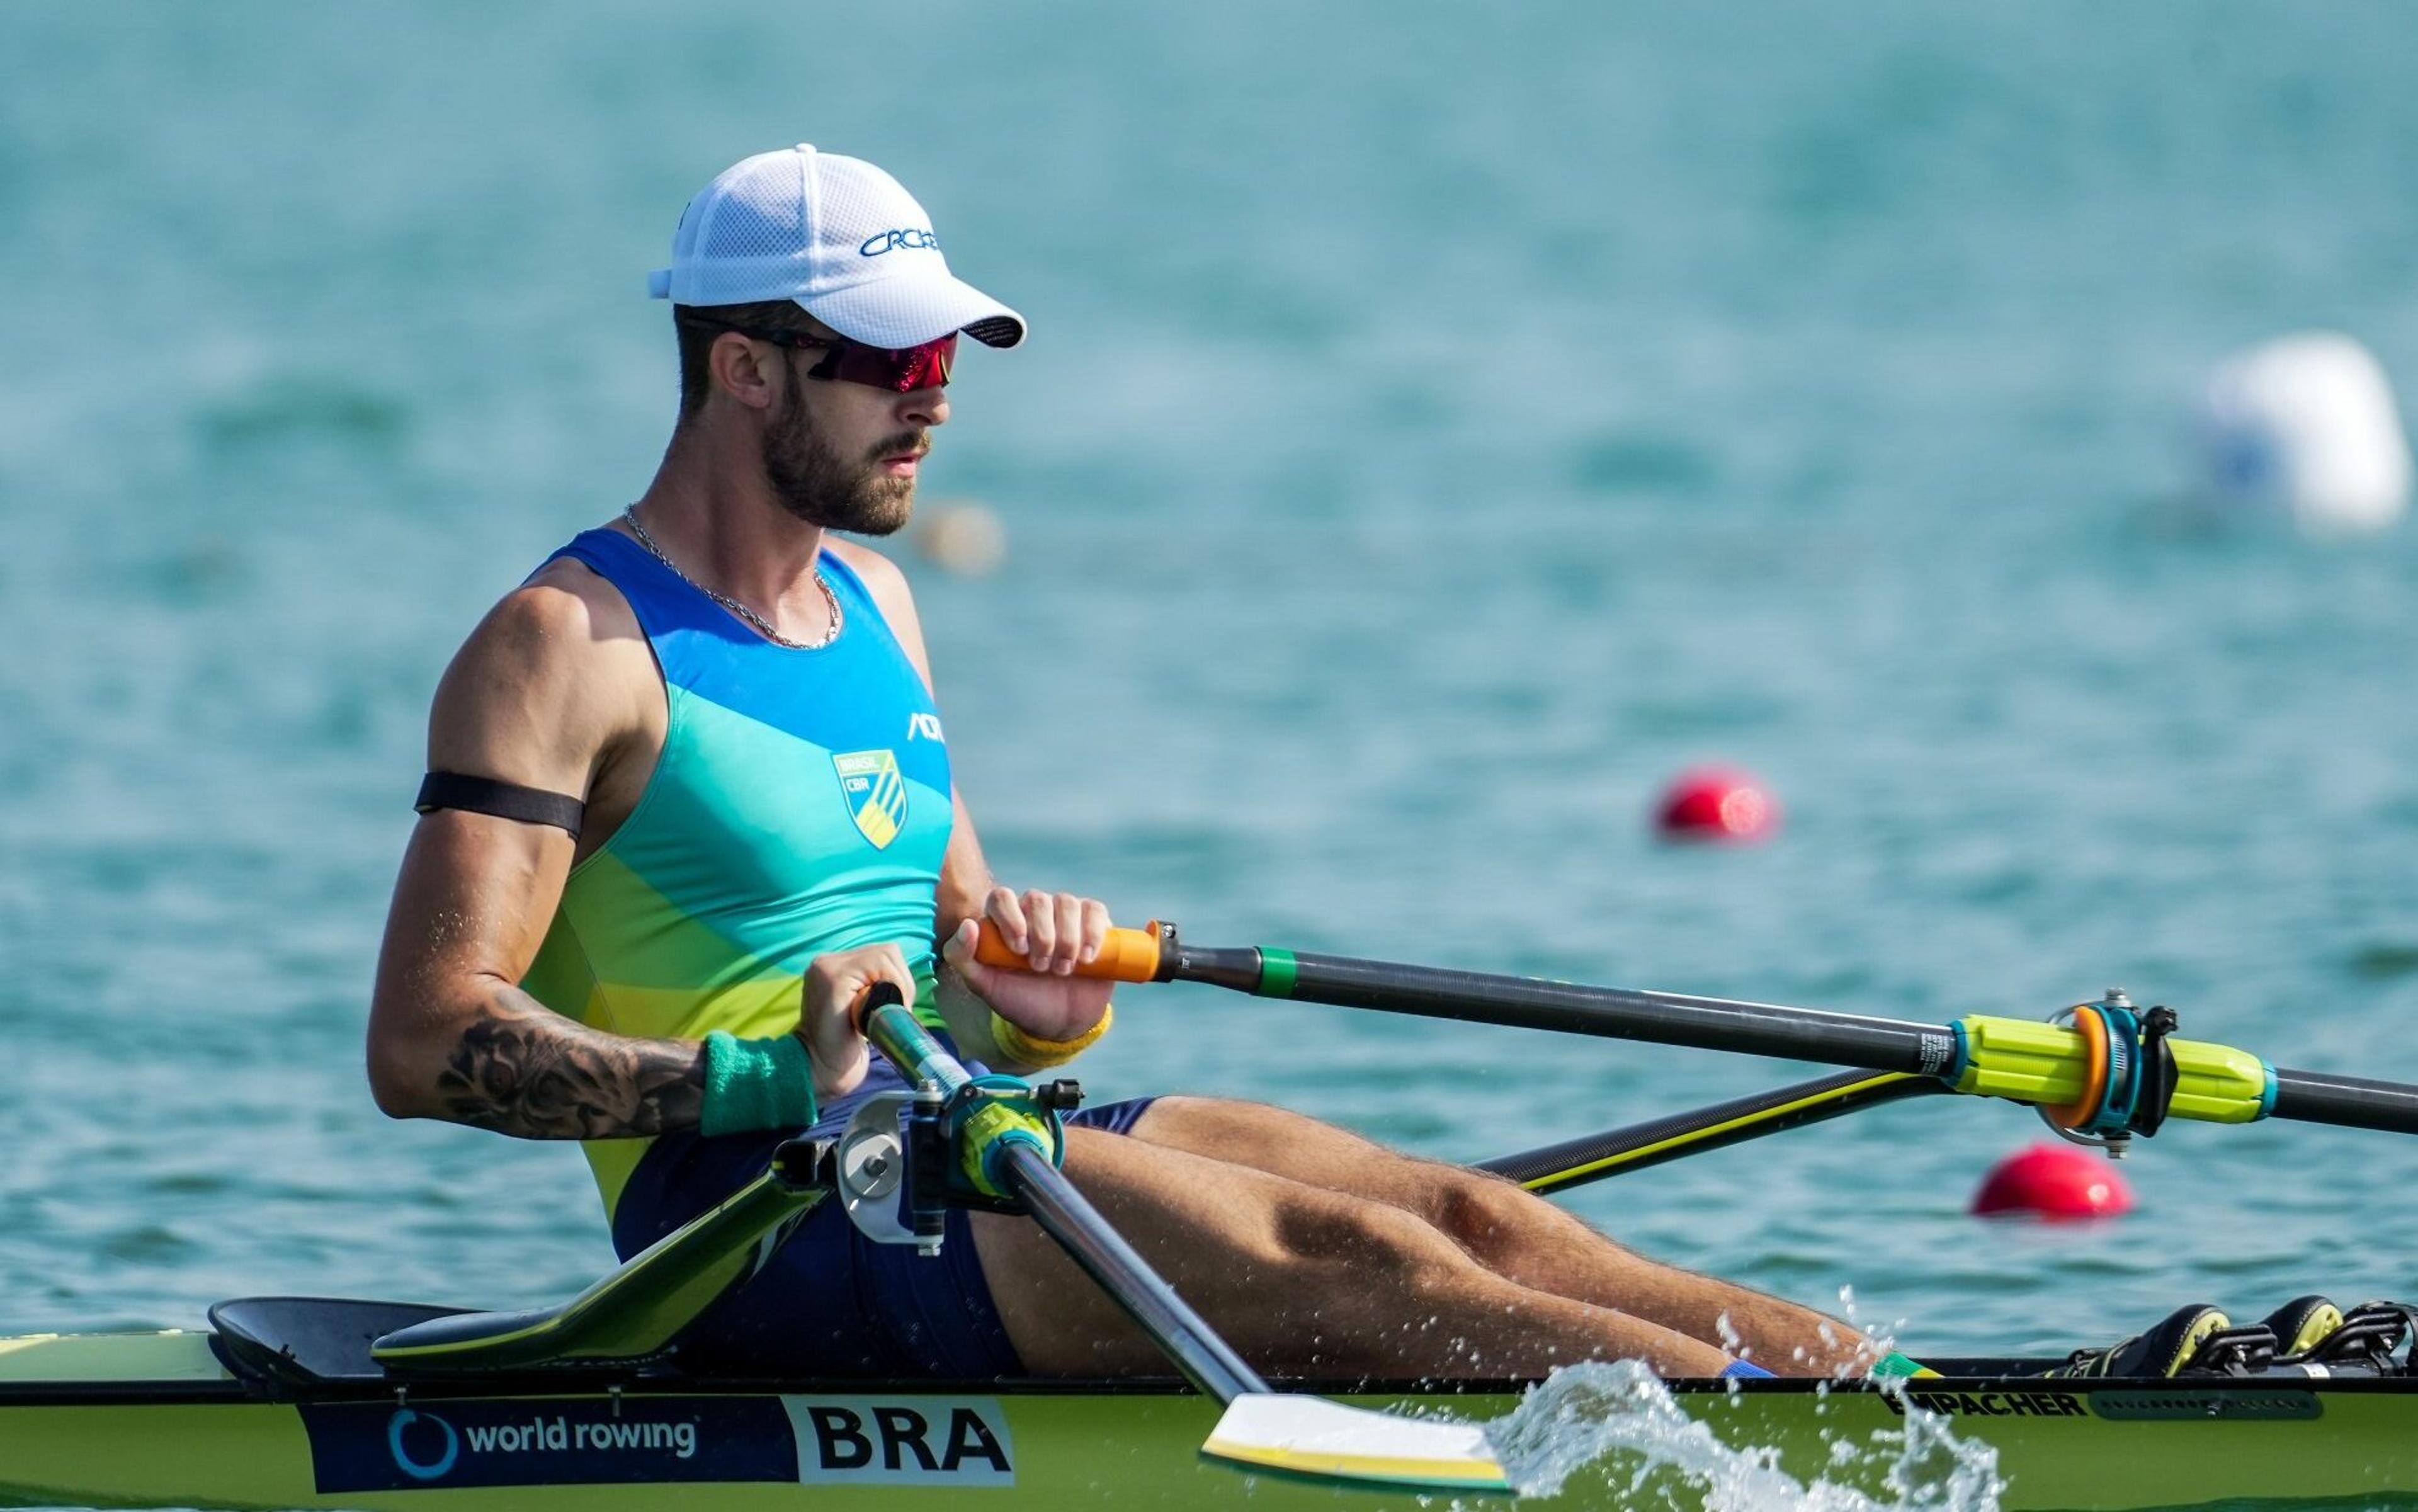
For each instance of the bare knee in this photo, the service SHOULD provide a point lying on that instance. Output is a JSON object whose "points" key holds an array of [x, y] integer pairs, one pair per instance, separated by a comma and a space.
{"points": [[1366, 1284], [1366, 1248], [1481, 1214]]}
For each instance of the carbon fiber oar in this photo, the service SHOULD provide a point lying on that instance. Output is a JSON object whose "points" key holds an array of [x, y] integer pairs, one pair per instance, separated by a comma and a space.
{"points": [[1002, 1148], [1593, 1157], [2112, 1073]]}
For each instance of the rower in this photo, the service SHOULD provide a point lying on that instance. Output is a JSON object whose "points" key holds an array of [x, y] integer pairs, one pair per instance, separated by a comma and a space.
{"points": [[690, 799]]}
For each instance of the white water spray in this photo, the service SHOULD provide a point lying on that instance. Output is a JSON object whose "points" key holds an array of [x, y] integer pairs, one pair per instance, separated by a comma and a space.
{"points": [[1617, 1420]]}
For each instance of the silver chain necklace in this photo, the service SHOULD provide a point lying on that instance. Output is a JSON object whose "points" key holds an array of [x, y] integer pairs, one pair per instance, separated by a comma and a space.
{"points": [[761, 625]]}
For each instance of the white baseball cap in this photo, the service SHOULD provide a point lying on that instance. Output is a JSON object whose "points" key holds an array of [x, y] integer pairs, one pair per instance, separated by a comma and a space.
{"points": [[836, 235]]}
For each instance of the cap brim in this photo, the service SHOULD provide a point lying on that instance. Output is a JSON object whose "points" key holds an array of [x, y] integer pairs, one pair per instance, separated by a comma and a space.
{"points": [[909, 312]]}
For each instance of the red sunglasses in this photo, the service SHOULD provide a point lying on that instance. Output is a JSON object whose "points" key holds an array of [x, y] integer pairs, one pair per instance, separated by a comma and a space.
{"points": [[900, 370]]}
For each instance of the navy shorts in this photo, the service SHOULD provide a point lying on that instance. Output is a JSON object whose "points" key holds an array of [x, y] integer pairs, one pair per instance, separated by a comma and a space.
{"points": [[830, 1304]]}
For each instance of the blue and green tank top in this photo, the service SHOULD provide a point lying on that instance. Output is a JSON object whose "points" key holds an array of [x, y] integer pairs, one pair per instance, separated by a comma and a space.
{"points": [[801, 805]]}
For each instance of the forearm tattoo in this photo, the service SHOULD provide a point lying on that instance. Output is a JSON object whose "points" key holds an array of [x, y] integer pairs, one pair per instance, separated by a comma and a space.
{"points": [[523, 1070]]}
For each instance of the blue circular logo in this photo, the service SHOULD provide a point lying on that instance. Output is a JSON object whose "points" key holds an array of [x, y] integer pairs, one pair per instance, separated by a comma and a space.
{"points": [[416, 1469]]}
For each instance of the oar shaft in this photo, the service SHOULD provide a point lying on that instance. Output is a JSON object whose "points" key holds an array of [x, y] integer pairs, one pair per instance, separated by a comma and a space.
{"points": [[892, 1029], [1066, 1216], [1570, 1163], [1206, 1360], [2351, 1102], [1153, 954], [1794, 1033], [1621, 1012], [2026, 1062]]}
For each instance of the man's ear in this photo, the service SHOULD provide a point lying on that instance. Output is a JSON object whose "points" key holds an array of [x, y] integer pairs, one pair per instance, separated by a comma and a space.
{"points": [[742, 370]]}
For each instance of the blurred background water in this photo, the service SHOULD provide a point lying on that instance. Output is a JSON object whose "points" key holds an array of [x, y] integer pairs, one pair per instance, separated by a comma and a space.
{"points": [[1442, 421]]}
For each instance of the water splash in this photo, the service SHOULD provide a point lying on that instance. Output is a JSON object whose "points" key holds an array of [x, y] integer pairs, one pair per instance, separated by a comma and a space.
{"points": [[1881, 1336], [1617, 1419]]}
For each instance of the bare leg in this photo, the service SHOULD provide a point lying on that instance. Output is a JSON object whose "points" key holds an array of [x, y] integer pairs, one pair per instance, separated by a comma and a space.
{"points": [[1521, 1237], [1300, 1279]]}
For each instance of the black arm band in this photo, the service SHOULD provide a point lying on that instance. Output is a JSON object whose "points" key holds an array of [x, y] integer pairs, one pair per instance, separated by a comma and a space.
{"points": [[504, 800]]}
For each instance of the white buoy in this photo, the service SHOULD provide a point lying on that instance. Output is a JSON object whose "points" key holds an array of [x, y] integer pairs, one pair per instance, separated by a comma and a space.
{"points": [[964, 539], [2306, 426]]}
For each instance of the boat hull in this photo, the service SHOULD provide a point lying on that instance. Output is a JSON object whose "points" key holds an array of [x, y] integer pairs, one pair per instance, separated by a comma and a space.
{"points": [[157, 1420]]}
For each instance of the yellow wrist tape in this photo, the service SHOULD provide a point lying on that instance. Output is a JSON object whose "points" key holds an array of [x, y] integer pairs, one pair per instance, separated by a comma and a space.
{"points": [[1023, 1049]]}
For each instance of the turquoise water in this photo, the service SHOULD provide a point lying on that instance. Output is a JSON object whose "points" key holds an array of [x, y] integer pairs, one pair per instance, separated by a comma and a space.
{"points": [[1442, 422]]}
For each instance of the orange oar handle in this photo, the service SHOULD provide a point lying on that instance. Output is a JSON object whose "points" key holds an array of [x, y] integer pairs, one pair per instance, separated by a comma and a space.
{"points": [[1125, 955]]}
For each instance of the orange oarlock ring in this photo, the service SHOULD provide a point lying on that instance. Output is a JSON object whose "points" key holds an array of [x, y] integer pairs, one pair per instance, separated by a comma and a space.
{"points": [[2073, 1115]]}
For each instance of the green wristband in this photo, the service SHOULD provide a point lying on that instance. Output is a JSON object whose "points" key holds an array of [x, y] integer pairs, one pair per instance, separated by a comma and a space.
{"points": [[756, 1084]]}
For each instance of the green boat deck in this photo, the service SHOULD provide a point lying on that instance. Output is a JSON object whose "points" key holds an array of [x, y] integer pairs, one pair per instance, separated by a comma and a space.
{"points": [[160, 1420]]}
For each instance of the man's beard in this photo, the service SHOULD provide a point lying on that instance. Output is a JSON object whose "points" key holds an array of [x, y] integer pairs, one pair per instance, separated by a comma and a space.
{"points": [[811, 483]]}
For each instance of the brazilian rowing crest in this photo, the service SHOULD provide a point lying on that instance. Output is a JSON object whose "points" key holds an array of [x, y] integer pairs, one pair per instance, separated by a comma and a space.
{"points": [[875, 794]]}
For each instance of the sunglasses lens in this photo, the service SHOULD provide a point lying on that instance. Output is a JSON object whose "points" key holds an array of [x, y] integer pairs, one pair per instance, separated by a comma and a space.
{"points": [[903, 371]]}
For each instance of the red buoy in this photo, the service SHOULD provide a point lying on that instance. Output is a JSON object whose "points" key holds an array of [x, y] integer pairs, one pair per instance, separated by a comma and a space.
{"points": [[1716, 804], [2060, 1182]]}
